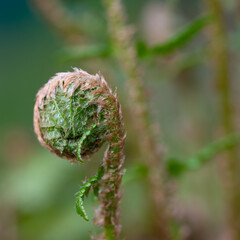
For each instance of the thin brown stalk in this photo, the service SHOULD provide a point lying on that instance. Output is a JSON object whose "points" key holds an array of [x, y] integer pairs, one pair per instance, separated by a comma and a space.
{"points": [[59, 18], [220, 59], [125, 52], [108, 213]]}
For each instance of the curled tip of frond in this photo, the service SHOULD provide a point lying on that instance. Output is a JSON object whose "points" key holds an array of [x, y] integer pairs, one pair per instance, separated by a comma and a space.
{"points": [[72, 114]]}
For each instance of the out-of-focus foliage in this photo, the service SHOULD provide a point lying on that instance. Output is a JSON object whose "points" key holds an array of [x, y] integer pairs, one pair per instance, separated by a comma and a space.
{"points": [[85, 52], [176, 167], [177, 41]]}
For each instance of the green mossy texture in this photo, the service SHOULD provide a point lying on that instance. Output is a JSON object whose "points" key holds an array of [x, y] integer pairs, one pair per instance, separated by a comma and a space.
{"points": [[70, 114]]}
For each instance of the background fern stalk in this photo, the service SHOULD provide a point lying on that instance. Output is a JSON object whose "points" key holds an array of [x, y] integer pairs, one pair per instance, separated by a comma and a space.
{"points": [[220, 57], [121, 36]]}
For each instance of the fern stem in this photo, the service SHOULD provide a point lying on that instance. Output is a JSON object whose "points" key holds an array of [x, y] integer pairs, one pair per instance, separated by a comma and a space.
{"points": [[222, 77], [108, 214], [121, 36]]}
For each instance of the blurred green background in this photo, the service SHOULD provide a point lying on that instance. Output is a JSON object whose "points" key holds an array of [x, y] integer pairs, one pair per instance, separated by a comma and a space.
{"points": [[36, 188]]}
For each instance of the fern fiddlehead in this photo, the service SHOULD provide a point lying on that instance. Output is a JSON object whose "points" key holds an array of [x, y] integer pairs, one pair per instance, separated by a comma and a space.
{"points": [[74, 114]]}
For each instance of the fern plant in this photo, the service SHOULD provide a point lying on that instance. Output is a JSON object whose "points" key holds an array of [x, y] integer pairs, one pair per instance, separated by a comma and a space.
{"points": [[74, 114]]}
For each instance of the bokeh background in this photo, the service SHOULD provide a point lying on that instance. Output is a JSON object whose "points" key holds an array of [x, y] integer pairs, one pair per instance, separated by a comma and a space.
{"points": [[36, 188]]}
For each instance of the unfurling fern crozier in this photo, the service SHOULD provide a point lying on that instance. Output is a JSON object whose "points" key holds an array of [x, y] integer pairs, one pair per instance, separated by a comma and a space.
{"points": [[74, 114]]}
